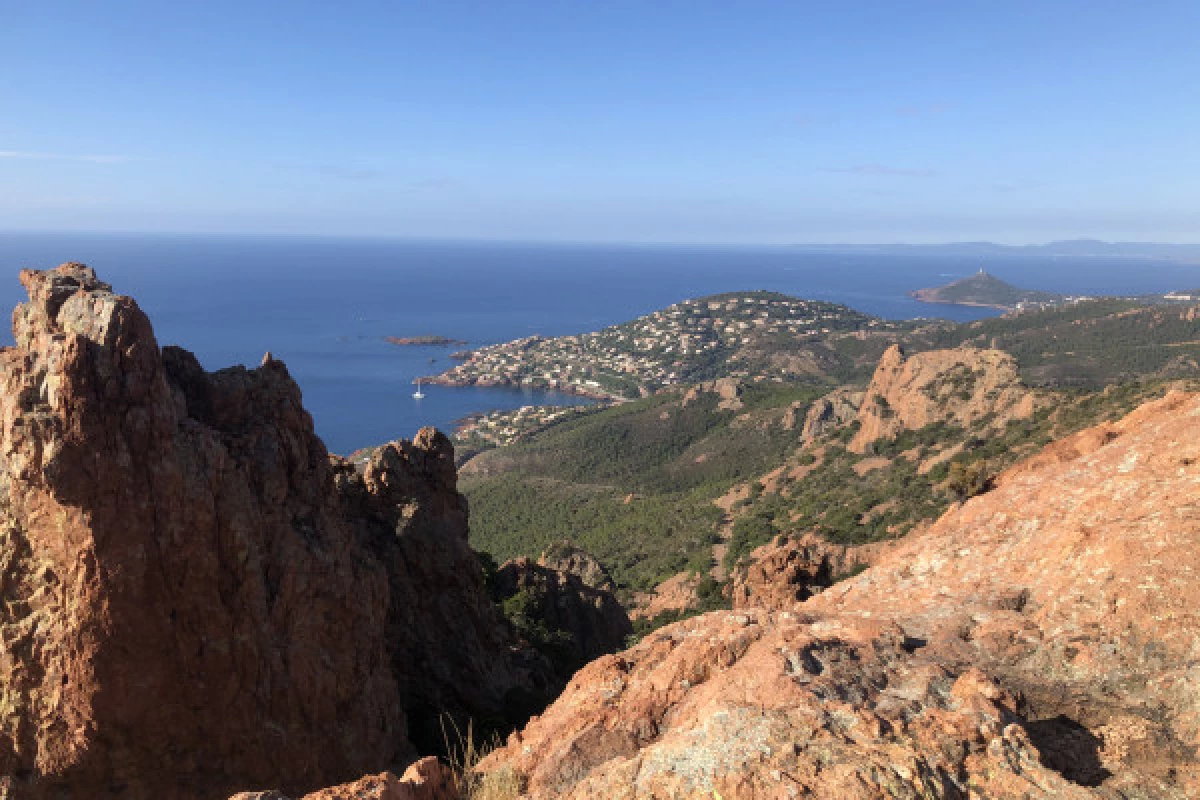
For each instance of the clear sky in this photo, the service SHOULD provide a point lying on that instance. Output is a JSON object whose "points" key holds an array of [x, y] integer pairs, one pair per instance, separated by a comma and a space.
{"points": [[731, 121]]}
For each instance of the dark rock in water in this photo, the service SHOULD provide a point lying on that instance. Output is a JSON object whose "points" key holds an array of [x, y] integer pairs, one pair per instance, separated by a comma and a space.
{"points": [[199, 598], [437, 341]]}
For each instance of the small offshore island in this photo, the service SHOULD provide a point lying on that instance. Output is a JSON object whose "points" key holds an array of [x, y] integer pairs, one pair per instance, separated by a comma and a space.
{"points": [[987, 291], [435, 341]]}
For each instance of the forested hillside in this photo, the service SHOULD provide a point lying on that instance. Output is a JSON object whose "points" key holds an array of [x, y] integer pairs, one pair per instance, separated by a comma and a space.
{"points": [[633, 484]]}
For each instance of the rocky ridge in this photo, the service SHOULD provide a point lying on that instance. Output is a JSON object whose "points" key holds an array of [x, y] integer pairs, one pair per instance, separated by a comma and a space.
{"points": [[959, 386], [1038, 641]]}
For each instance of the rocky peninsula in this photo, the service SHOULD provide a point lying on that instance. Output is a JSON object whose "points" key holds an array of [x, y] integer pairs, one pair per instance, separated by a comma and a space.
{"points": [[742, 334], [987, 291]]}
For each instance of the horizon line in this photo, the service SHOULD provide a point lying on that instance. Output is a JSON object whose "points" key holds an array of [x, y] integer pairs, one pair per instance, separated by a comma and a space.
{"points": [[581, 241]]}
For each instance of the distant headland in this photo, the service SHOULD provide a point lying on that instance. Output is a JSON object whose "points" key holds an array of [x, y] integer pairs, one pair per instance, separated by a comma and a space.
{"points": [[988, 291]]}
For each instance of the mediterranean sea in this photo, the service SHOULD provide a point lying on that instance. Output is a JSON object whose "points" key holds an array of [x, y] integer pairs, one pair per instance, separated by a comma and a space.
{"points": [[324, 305]]}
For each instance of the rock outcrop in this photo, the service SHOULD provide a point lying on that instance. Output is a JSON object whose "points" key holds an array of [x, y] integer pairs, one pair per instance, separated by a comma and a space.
{"points": [[676, 595], [565, 556], [727, 390], [427, 779], [789, 570], [198, 598], [1039, 641], [586, 621], [838, 408], [960, 386]]}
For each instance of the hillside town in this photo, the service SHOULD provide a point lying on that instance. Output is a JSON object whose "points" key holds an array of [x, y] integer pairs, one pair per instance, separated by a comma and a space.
{"points": [[500, 428], [689, 341]]}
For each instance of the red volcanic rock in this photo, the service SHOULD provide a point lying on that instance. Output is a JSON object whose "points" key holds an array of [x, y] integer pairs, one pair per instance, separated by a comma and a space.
{"points": [[1040, 641], [450, 650], [784, 572], [960, 386], [835, 409], [675, 595], [197, 597], [427, 779]]}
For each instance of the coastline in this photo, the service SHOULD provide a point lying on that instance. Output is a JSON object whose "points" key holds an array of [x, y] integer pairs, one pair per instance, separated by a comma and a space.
{"points": [[962, 303], [929, 296], [570, 389]]}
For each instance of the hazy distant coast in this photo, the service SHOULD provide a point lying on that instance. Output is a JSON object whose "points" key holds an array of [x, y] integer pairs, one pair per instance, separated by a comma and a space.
{"points": [[1072, 248]]}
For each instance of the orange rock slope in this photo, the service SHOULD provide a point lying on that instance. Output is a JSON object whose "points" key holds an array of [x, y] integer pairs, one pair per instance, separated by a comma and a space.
{"points": [[961, 386], [427, 779], [1040, 641], [198, 599]]}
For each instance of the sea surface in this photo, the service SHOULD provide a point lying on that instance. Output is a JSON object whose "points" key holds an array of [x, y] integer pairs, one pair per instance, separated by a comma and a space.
{"points": [[324, 305]]}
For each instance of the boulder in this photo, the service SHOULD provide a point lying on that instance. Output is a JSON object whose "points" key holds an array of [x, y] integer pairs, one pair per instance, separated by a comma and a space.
{"points": [[789, 570], [427, 779]]}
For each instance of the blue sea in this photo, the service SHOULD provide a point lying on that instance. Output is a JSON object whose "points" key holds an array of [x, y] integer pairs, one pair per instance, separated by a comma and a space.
{"points": [[324, 305]]}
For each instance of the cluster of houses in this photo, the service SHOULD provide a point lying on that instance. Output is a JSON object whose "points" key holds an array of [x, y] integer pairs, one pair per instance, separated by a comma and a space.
{"points": [[656, 350], [500, 428]]}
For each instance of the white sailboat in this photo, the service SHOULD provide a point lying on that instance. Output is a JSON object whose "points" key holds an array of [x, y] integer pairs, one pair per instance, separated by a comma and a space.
{"points": [[418, 394]]}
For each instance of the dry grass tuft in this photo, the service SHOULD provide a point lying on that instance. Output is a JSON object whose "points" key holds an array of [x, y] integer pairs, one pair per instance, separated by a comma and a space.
{"points": [[465, 752]]}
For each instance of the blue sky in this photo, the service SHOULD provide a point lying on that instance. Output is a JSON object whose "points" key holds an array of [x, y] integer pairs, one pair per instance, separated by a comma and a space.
{"points": [[664, 121]]}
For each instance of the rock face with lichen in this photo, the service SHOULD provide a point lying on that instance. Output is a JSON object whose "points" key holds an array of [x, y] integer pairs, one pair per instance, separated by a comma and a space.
{"points": [[960, 386], [1040, 641], [198, 598]]}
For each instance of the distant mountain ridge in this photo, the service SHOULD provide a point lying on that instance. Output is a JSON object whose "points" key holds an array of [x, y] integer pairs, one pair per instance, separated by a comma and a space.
{"points": [[983, 289], [1070, 247]]}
